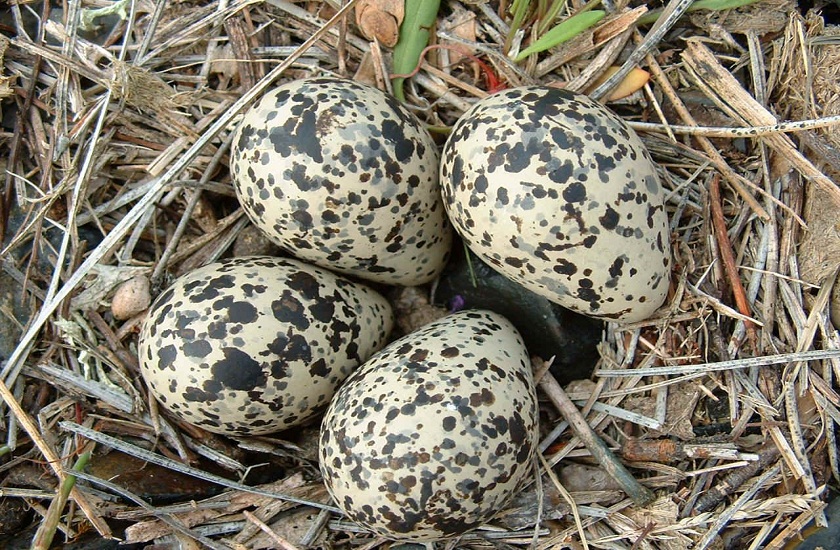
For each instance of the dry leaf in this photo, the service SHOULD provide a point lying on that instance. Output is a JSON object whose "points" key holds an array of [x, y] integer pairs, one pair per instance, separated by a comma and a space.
{"points": [[224, 64], [663, 511], [380, 20], [460, 23], [682, 400], [106, 278], [633, 82], [581, 477], [366, 73]]}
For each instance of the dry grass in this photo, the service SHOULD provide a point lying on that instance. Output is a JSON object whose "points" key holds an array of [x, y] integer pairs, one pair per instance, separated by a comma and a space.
{"points": [[120, 137]]}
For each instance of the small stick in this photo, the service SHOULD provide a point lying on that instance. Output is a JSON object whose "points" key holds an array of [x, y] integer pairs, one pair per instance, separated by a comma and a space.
{"points": [[737, 132], [728, 257], [640, 494], [726, 516], [734, 480], [278, 540]]}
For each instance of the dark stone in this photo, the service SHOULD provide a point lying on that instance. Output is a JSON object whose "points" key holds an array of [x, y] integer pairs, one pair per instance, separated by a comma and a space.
{"points": [[548, 329], [151, 482]]}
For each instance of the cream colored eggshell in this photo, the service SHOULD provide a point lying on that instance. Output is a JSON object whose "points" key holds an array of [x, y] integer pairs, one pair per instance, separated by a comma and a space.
{"points": [[341, 175], [559, 195], [431, 436], [254, 345]]}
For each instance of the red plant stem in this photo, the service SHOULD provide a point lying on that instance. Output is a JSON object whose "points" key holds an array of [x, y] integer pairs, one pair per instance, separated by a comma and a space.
{"points": [[728, 256]]}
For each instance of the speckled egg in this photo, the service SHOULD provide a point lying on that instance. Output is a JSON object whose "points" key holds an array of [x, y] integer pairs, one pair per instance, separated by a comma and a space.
{"points": [[431, 436], [341, 175], [558, 194], [254, 345]]}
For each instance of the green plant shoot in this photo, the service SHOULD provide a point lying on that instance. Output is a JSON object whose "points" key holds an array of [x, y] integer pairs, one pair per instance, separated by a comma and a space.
{"points": [[563, 32], [713, 5], [416, 28], [519, 9]]}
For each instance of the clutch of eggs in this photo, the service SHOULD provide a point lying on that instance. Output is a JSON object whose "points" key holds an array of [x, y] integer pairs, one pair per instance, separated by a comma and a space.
{"points": [[432, 435], [254, 345], [341, 175]]}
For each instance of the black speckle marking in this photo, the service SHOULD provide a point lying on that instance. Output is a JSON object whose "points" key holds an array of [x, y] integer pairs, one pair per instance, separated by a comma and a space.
{"points": [[237, 370]]}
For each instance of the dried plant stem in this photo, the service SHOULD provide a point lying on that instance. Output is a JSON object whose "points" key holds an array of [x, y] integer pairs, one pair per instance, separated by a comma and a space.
{"points": [[166, 518], [172, 245], [278, 540], [727, 514], [46, 531], [747, 362], [796, 526], [736, 181], [707, 69], [728, 257], [567, 497], [672, 12], [734, 480], [52, 459], [734, 133], [15, 360], [155, 458], [640, 494]]}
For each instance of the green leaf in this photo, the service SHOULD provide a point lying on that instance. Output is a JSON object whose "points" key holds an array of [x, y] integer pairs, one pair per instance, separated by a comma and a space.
{"points": [[420, 16], [563, 32]]}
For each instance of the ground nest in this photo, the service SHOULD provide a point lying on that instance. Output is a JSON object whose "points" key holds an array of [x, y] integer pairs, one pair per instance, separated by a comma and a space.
{"points": [[117, 121]]}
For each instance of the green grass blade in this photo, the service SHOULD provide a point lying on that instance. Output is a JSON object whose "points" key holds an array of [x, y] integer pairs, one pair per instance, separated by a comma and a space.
{"points": [[420, 16], [713, 5], [519, 9], [563, 32]]}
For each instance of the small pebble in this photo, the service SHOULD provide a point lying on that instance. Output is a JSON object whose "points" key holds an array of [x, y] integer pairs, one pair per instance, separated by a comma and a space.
{"points": [[131, 297]]}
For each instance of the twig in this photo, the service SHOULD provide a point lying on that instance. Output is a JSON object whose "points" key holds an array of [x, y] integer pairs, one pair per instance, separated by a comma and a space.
{"points": [[640, 494], [737, 182], [728, 257], [172, 245], [567, 497], [735, 133], [672, 12], [727, 514], [744, 363], [734, 480], [168, 519], [705, 65], [52, 459], [280, 541], [796, 526]]}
